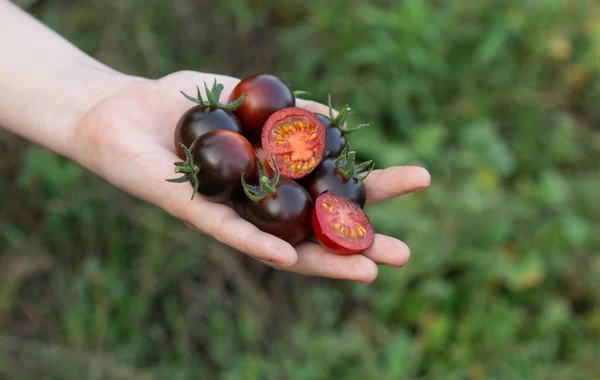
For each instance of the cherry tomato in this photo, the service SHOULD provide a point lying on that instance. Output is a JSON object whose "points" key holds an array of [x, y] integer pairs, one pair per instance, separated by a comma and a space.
{"points": [[277, 205], [295, 138], [198, 120], [265, 95], [205, 116], [340, 225], [215, 163], [341, 176]]}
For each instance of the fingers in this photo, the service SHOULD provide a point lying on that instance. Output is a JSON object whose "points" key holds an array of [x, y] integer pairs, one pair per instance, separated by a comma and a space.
{"points": [[217, 220], [388, 183], [221, 222], [388, 251], [393, 182], [314, 260], [313, 106]]}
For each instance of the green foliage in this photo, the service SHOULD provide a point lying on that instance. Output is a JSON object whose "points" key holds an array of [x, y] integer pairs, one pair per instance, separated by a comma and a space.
{"points": [[498, 101]]}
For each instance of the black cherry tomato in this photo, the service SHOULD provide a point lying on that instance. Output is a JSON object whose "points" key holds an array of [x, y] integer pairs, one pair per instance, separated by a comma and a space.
{"points": [[215, 163], [339, 175], [265, 95], [277, 205], [198, 120], [204, 117]]}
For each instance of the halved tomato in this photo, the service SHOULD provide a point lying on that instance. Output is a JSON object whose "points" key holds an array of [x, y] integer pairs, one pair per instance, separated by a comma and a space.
{"points": [[340, 225], [296, 138]]}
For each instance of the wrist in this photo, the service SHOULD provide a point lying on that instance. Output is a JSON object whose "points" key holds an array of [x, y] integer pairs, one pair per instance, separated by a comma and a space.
{"points": [[85, 88], [46, 108], [46, 83]]}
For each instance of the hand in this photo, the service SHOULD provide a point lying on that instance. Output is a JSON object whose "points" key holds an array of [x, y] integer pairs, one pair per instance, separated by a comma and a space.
{"points": [[128, 139]]}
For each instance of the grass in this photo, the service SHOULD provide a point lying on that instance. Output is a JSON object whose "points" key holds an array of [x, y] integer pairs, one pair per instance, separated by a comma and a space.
{"points": [[498, 101]]}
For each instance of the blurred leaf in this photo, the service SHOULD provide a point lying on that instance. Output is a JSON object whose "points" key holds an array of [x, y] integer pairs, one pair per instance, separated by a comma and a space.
{"points": [[553, 189]]}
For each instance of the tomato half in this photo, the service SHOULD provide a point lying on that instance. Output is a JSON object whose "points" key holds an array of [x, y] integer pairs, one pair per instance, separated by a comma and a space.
{"points": [[340, 225], [296, 138]]}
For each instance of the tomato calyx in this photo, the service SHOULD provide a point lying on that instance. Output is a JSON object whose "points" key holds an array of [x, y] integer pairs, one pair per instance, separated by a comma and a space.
{"points": [[340, 119], [346, 165], [266, 185], [213, 95], [189, 169]]}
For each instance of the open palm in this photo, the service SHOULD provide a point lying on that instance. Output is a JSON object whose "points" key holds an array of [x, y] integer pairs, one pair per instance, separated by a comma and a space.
{"points": [[128, 140]]}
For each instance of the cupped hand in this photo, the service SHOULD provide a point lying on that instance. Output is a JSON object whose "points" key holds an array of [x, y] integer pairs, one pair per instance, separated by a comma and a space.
{"points": [[128, 139]]}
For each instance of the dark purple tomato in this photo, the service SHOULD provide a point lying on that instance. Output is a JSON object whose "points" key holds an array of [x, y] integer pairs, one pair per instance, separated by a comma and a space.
{"points": [[340, 175], [265, 95], [201, 119], [335, 139], [326, 177], [276, 205], [286, 214], [216, 162]]}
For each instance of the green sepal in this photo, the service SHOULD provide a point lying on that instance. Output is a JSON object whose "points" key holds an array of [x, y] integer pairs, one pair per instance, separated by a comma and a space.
{"points": [[300, 93], [189, 169], [266, 186], [346, 165], [340, 119], [213, 95]]}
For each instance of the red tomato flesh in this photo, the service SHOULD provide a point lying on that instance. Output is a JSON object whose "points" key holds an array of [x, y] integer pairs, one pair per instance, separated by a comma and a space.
{"points": [[296, 138], [340, 225]]}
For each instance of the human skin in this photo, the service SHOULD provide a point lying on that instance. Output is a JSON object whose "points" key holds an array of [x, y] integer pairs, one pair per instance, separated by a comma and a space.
{"points": [[121, 126]]}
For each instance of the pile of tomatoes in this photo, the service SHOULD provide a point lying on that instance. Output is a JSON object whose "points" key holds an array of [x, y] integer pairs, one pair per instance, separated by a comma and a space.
{"points": [[284, 169]]}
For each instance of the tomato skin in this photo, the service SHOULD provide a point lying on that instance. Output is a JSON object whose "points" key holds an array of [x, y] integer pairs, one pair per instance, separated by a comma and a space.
{"points": [[222, 156], [326, 177], [289, 122], [324, 231], [335, 140], [198, 120], [265, 95], [286, 214]]}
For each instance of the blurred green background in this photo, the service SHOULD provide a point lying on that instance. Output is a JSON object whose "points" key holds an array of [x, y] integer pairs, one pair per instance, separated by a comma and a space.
{"points": [[500, 100]]}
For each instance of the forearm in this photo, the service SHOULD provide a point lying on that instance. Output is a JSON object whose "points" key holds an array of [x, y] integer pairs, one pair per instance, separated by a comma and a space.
{"points": [[46, 84]]}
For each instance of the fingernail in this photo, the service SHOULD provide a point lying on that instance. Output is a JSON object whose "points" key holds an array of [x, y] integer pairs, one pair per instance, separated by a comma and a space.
{"points": [[282, 251], [426, 178]]}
